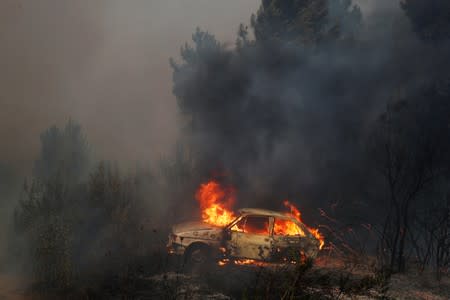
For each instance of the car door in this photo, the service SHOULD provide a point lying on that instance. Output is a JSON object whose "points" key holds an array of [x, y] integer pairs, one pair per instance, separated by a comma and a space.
{"points": [[289, 239], [251, 238]]}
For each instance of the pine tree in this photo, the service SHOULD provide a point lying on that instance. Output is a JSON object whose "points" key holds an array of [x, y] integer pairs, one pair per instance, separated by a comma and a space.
{"points": [[306, 21]]}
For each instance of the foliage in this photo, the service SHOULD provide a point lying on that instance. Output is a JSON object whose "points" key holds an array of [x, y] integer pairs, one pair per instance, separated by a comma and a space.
{"points": [[106, 226], [72, 231], [41, 219]]}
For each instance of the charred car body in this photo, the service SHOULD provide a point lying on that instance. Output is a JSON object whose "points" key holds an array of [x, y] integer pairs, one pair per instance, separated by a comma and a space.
{"points": [[255, 234]]}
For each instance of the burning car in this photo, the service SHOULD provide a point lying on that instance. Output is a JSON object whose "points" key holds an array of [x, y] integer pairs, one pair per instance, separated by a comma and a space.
{"points": [[255, 234]]}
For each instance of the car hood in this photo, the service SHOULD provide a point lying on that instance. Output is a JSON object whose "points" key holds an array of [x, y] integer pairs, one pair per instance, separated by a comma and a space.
{"points": [[193, 226]]}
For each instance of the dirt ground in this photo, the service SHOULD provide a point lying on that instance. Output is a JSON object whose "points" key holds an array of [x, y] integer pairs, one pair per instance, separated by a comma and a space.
{"points": [[415, 286], [324, 281], [327, 279]]}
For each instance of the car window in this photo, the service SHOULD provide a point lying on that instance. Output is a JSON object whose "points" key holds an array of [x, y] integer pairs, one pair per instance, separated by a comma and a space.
{"points": [[286, 228], [257, 225]]}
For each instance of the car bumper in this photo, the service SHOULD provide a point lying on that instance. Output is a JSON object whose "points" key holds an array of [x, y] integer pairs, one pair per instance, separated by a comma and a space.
{"points": [[175, 249]]}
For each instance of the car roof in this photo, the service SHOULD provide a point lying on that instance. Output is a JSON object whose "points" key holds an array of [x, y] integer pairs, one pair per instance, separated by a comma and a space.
{"points": [[265, 212]]}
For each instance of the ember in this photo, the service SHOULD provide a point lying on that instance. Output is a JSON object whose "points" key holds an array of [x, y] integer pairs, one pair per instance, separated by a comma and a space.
{"points": [[243, 262]]}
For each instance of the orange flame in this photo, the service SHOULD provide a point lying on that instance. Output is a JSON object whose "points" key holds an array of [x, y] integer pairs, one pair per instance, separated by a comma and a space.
{"points": [[242, 262], [296, 213], [286, 227], [215, 203]]}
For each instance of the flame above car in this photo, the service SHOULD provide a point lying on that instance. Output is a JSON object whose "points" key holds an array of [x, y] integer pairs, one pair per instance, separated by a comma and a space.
{"points": [[215, 203]]}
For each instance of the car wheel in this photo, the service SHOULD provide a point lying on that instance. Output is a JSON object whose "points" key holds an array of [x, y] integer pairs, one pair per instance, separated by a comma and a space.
{"points": [[312, 252], [198, 258]]}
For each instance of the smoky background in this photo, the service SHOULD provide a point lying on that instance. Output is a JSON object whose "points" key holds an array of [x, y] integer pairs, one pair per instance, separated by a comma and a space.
{"points": [[104, 65], [276, 121]]}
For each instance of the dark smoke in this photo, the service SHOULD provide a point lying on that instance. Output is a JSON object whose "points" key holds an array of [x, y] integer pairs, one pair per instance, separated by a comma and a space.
{"points": [[291, 113]]}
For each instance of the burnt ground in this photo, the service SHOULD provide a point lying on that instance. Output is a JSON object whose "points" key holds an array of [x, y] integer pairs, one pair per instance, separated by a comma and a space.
{"points": [[328, 278]]}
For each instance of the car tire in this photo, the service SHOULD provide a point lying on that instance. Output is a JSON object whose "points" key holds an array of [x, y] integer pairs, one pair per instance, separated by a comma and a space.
{"points": [[312, 253], [198, 258]]}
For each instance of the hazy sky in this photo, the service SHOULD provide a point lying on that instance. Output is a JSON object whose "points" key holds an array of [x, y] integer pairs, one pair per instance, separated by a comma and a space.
{"points": [[103, 64]]}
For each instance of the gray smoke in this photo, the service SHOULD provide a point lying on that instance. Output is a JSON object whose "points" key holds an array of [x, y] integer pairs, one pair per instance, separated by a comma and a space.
{"points": [[292, 121], [103, 64]]}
